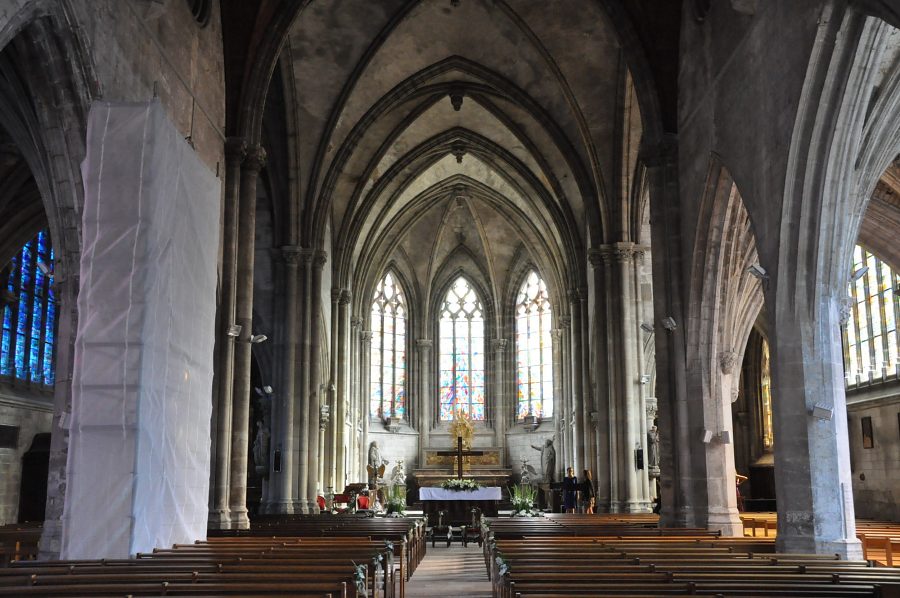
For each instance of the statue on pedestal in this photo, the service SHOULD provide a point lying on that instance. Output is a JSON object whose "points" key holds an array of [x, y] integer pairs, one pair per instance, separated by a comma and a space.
{"points": [[398, 474], [548, 460]]}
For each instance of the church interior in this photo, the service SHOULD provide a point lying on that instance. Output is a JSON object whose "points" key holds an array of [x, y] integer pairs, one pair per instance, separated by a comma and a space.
{"points": [[522, 278]]}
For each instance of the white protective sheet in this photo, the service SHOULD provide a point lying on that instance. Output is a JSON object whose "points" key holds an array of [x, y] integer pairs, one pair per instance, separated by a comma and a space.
{"points": [[139, 448]]}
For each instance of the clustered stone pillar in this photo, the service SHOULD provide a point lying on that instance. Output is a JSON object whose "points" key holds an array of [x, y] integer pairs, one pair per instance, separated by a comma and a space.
{"points": [[240, 432], [342, 344], [577, 401], [219, 514], [424, 346], [604, 353], [565, 417], [284, 441], [313, 390], [501, 407], [301, 419], [356, 404], [365, 360]]}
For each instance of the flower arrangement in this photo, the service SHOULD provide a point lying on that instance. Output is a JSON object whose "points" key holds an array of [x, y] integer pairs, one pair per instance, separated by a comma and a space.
{"points": [[460, 485], [395, 500], [522, 498]]}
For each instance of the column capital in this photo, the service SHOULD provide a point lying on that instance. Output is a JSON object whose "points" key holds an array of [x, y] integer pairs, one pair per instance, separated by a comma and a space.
{"points": [[235, 150], [564, 322], [356, 322], [365, 336], [424, 343], [255, 158], [727, 361], [346, 296], [596, 256], [291, 254], [498, 345], [556, 333], [335, 295], [320, 258]]}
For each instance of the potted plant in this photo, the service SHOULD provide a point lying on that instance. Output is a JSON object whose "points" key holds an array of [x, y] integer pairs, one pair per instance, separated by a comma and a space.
{"points": [[460, 484], [522, 498], [395, 501]]}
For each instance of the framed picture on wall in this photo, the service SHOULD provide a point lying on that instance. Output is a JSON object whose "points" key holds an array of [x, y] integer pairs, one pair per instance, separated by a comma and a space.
{"points": [[867, 437]]}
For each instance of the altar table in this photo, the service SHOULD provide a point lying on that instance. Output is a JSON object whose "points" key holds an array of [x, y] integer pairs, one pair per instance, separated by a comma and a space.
{"points": [[459, 505], [489, 493]]}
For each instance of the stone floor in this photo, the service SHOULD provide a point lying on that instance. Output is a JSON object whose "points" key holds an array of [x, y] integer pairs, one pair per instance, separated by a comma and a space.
{"points": [[448, 572]]}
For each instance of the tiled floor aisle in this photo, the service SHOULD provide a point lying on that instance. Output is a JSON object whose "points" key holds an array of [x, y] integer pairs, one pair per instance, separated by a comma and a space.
{"points": [[454, 571]]}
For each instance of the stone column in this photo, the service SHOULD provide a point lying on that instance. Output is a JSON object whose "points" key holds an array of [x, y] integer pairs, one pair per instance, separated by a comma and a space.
{"points": [[629, 396], [301, 415], [502, 413], [643, 388], [342, 345], [652, 447], [812, 448], [365, 360], [424, 401], [332, 398], [722, 513], [219, 516], [240, 417], [605, 466], [283, 500], [564, 424], [356, 406], [315, 369], [559, 408], [577, 377]]}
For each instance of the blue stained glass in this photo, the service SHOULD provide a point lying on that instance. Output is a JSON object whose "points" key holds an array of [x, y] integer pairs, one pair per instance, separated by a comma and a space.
{"points": [[29, 325], [461, 356], [5, 370]]}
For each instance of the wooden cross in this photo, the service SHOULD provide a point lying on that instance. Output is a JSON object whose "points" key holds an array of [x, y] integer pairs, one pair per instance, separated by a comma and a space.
{"points": [[459, 453]]}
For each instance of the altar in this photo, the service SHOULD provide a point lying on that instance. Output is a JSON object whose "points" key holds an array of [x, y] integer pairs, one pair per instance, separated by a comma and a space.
{"points": [[485, 469], [459, 503]]}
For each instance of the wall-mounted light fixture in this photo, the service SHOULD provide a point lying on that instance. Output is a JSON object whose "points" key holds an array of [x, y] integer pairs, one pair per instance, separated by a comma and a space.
{"points": [[669, 323], [758, 271], [234, 330], [258, 338], [648, 328], [859, 274]]}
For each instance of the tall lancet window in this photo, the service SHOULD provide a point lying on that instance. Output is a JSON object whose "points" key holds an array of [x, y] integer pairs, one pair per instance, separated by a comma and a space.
{"points": [[534, 350], [388, 373], [870, 350], [462, 352], [29, 314]]}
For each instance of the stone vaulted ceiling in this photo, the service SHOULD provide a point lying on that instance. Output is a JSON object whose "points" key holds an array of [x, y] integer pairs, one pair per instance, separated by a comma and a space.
{"points": [[518, 117]]}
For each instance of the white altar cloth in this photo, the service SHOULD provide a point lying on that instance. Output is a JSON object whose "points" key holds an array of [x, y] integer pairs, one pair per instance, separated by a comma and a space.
{"points": [[488, 493]]}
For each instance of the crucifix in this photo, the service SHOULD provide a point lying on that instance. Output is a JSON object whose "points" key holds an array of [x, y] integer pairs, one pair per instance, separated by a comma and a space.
{"points": [[459, 453]]}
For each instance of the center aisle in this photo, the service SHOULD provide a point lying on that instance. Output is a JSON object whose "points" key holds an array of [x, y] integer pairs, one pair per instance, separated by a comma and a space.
{"points": [[454, 571]]}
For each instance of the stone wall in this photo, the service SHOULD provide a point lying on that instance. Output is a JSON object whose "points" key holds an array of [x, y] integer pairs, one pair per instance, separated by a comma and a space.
{"points": [[876, 470], [519, 444], [32, 417]]}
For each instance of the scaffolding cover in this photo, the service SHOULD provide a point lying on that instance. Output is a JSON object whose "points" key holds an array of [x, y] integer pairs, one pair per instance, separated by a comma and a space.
{"points": [[139, 448]]}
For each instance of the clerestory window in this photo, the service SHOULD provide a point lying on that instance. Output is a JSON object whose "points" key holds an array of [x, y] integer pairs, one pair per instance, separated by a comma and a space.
{"points": [[461, 353], [534, 350], [388, 357]]}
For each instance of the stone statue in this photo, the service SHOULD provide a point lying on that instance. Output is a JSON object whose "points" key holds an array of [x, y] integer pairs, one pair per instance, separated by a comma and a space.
{"points": [[653, 447], [261, 447], [398, 474], [528, 475], [374, 454], [548, 460]]}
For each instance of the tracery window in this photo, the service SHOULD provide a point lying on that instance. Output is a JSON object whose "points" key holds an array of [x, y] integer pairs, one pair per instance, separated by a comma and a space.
{"points": [[388, 357], [534, 350], [461, 359], [870, 347], [29, 314]]}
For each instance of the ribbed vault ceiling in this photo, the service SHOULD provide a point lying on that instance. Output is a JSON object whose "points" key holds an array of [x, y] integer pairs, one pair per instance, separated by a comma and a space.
{"points": [[516, 118]]}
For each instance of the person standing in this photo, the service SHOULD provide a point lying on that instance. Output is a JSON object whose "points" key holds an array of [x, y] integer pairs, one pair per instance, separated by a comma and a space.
{"points": [[587, 492], [570, 490]]}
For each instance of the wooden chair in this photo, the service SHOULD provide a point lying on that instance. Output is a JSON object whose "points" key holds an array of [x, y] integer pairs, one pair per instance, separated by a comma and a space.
{"points": [[472, 530], [439, 525]]}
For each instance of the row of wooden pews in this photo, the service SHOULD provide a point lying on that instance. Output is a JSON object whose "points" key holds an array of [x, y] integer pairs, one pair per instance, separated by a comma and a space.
{"points": [[19, 542], [880, 539], [303, 559], [580, 555]]}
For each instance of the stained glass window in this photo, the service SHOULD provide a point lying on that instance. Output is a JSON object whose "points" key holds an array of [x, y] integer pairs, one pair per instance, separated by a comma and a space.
{"points": [[766, 397], [870, 347], [29, 314], [461, 359], [534, 350], [388, 357]]}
